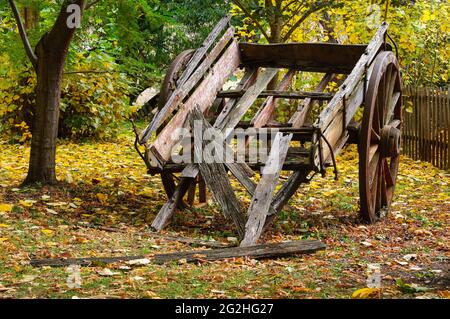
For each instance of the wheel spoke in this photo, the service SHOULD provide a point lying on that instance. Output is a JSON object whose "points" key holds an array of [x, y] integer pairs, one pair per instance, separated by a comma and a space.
{"points": [[380, 182], [389, 93], [372, 151], [388, 174], [392, 104], [395, 123], [374, 137], [373, 167]]}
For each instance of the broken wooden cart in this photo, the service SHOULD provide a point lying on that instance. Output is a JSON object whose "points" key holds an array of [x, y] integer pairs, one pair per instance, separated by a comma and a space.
{"points": [[194, 90]]}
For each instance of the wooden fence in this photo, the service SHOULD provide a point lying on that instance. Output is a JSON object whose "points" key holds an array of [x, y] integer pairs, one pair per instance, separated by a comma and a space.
{"points": [[426, 125]]}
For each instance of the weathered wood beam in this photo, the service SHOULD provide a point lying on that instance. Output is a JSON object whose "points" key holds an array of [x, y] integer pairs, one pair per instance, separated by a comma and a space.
{"points": [[262, 198], [166, 212], [299, 117], [267, 251], [216, 177], [185, 88], [267, 109], [335, 118], [202, 51], [85, 262], [203, 96], [309, 57], [279, 94], [247, 100]]}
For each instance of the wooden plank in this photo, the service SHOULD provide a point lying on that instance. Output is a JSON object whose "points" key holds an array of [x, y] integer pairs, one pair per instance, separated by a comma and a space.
{"points": [[248, 79], [216, 178], [279, 94], [85, 262], [203, 96], [267, 109], [447, 110], [201, 52], [276, 250], [262, 198], [331, 120], [202, 190], [310, 57], [267, 251], [166, 212], [186, 87], [416, 124], [354, 79], [247, 100], [299, 117]]}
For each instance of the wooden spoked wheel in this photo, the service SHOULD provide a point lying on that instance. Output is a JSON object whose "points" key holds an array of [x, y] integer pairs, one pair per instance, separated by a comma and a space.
{"points": [[168, 87], [380, 138]]}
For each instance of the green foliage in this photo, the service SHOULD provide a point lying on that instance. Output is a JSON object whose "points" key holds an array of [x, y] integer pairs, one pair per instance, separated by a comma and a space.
{"points": [[91, 103], [127, 44]]}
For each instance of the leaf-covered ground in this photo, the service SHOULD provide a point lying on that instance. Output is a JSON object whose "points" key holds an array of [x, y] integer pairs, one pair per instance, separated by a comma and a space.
{"points": [[106, 200]]}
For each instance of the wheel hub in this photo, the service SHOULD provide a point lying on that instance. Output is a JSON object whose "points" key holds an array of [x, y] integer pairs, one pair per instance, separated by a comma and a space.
{"points": [[390, 141]]}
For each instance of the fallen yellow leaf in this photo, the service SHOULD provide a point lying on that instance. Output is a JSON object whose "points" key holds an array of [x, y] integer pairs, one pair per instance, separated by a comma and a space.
{"points": [[48, 232], [102, 198], [2, 239], [6, 208], [4, 225], [366, 293], [27, 203]]}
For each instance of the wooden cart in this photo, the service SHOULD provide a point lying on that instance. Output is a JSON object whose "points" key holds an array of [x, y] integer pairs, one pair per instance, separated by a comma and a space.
{"points": [[193, 90]]}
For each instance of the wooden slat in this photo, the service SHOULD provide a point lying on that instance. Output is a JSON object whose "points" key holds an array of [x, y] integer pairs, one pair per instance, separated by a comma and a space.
{"points": [[426, 129], [166, 213], [186, 87], [203, 96], [299, 117], [201, 52], [279, 94], [331, 120], [275, 250], [311, 57], [216, 178], [247, 100], [262, 199], [267, 109], [447, 110], [354, 79]]}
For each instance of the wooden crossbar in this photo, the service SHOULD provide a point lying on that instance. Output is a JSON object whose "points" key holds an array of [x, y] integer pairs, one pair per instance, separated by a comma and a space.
{"points": [[279, 94]]}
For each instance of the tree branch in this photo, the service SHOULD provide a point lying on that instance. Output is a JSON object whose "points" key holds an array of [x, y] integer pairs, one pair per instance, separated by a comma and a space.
{"points": [[93, 3], [313, 9], [252, 17], [23, 35]]}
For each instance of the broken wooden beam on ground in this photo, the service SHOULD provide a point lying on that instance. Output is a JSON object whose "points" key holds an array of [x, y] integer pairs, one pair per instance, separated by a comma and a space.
{"points": [[266, 251], [85, 262]]}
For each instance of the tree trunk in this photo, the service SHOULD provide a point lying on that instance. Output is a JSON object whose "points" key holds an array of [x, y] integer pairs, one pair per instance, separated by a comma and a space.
{"points": [[51, 53]]}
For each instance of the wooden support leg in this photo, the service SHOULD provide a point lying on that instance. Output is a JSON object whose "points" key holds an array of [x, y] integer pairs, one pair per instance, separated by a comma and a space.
{"points": [[284, 194], [262, 199], [191, 193], [169, 208], [202, 197], [216, 177]]}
